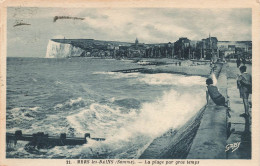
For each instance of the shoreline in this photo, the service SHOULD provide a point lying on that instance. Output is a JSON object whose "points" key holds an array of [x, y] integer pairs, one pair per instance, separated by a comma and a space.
{"points": [[162, 65], [173, 66], [185, 70]]}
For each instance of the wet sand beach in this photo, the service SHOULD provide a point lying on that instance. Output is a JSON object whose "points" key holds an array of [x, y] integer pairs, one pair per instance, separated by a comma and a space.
{"points": [[185, 67]]}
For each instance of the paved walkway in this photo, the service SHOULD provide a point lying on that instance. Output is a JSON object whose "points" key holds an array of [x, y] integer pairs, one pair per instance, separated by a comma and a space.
{"points": [[213, 136], [241, 136], [210, 140]]}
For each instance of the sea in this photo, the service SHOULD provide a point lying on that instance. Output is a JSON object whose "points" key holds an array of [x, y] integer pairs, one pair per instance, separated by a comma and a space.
{"points": [[82, 95]]}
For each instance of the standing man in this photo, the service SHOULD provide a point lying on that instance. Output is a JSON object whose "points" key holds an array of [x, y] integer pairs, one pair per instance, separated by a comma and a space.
{"points": [[244, 84], [244, 61], [238, 62]]}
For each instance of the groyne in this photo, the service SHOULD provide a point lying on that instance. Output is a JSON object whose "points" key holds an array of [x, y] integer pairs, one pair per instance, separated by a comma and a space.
{"points": [[41, 140], [187, 68], [184, 70]]}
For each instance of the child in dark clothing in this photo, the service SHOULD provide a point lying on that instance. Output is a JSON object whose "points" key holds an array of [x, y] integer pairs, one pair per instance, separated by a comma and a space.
{"points": [[214, 94]]}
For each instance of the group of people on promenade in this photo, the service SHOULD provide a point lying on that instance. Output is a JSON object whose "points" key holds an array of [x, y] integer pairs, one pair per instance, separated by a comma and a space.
{"points": [[244, 84], [239, 60]]}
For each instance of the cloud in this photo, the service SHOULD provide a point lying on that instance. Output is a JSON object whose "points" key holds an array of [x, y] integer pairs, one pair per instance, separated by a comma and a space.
{"points": [[155, 25], [149, 25], [35, 12]]}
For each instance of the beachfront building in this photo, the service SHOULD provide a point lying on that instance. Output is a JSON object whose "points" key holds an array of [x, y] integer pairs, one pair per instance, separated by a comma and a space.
{"points": [[191, 49], [160, 50], [200, 50], [182, 48], [236, 49], [195, 49], [169, 50], [141, 50], [136, 50], [188, 49], [210, 48]]}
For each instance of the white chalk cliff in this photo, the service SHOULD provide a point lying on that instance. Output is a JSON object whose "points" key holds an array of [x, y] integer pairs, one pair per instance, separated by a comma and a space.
{"points": [[62, 50]]}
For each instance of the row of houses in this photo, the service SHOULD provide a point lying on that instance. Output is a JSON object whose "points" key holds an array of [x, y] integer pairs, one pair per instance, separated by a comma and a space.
{"points": [[125, 50], [212, 49], [209, 48]]}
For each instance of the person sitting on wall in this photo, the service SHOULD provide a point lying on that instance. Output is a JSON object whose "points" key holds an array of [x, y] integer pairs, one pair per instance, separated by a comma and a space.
{"points": [[214, 94]]}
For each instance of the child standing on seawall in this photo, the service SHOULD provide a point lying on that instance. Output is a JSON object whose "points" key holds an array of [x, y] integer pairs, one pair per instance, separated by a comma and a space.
{"points": [[244, 84]]}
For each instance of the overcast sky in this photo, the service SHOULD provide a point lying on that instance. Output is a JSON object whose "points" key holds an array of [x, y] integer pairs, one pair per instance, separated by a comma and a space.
{"points": [[149, 25]]}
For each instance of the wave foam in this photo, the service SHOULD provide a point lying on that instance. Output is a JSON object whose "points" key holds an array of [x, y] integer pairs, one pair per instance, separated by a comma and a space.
{"points": [[172, 79], [79, 102], [118, 75], [128, 134], [27, 113], [102, 120], [171, 111], [159, 78]]}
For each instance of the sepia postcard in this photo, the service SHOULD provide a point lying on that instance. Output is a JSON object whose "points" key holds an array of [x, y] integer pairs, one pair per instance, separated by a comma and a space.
{"points": [[129, 82]]}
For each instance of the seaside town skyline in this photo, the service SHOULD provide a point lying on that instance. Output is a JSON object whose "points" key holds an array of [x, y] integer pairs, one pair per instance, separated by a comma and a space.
{"points": [[184, 48], [30, 29]]}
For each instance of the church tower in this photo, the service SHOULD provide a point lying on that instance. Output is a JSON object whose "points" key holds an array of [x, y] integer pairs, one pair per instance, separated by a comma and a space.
{"points": [[136, 41], [210, 42]]}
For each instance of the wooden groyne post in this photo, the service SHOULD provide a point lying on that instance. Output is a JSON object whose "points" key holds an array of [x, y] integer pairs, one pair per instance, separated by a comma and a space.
{"points": [[134, 70], [42, 140]]}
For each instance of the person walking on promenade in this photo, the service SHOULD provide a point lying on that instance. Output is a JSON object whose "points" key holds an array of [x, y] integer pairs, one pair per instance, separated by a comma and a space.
{"points": [[244, 61], [211, 63], [244, 84], [238, 62]]}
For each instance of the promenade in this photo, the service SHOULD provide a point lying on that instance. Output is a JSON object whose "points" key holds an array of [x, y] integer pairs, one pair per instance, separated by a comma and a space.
{"points": [[210, 134], [218, 136], [240, 127]]}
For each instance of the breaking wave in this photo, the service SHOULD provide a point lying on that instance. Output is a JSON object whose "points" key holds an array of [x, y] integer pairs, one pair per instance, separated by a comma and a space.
{"points": [[159, 78], [172, 79], [127, 135], [72, 103]]}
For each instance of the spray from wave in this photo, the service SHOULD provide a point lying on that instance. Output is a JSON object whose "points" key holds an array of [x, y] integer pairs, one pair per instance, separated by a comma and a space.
{"points": [[129, 125], [171, 79], [159, 78], [127, 135]]}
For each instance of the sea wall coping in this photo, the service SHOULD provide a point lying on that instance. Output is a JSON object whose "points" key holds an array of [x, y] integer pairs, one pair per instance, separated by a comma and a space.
{"points": [[210, 140]]}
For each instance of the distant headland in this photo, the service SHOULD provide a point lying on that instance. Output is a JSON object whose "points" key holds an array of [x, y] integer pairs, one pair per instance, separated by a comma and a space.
{"points": [[207, 49]]}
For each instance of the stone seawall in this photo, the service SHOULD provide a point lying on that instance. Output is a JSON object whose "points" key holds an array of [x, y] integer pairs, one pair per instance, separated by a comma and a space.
{"points": [[196, 138], [211, 137], [174, 144]]}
